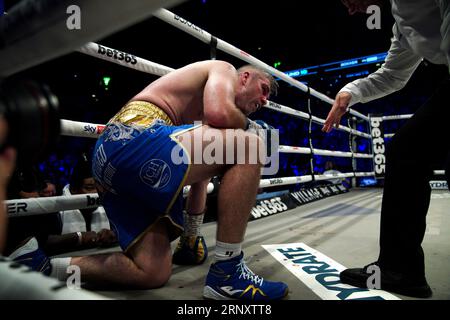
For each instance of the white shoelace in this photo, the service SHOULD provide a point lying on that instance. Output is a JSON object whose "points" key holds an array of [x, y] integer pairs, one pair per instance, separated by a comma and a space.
{"points": [[248, 274]]}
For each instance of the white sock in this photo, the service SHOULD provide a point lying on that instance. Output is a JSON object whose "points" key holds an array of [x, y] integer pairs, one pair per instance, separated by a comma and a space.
{"points": [[226, 251], [59, 268], [192, 224]]}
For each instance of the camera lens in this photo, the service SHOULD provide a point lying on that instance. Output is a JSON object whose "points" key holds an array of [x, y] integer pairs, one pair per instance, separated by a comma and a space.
{"points": [[31, 111]]}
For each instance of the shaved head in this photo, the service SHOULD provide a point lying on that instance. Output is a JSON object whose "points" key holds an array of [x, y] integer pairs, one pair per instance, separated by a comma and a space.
{"points": [[257, 70]]}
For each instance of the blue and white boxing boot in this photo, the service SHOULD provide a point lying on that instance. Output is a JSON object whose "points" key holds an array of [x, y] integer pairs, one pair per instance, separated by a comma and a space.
{"points": [[233, 280]]}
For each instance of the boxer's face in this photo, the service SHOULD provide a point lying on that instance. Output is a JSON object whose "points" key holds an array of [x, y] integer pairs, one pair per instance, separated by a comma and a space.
{"points": [[253, 92], [355, 6]]}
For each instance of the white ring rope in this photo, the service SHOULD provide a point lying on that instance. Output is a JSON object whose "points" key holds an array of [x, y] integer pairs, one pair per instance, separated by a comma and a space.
{"points": [[45, 205], [124, 59], [31, 206], [190, 28], [397, 117], [320, 177], [81, 129], [364, 174], [90, 130], [303, 115], [302, 150]]}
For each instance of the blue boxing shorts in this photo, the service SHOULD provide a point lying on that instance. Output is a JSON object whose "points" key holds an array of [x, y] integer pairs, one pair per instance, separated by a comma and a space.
{"points": [[141, 183]]}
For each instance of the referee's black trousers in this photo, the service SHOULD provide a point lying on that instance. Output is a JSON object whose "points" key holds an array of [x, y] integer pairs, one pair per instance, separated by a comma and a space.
{"points": [[419, 147]]}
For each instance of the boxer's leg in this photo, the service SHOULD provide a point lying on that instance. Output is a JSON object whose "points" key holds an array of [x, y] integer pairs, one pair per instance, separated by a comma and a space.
{"points": [[240, 181], [229, 277], [147, 265], [191, 248]]}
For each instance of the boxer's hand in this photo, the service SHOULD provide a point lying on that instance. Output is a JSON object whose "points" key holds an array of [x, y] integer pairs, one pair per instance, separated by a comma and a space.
{"points": [[257, 124], [259, 127], [338, 109], [252, 126]]}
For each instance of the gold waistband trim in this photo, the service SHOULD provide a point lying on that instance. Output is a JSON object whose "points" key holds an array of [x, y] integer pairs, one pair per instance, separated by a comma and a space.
{"points": [[141, 113]]}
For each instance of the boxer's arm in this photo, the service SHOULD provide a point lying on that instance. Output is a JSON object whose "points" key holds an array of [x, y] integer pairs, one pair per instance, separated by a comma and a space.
{"points": [[220, 110], [392, 76]]}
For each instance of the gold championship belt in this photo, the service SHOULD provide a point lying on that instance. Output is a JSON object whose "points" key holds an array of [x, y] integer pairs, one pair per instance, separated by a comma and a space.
{"points": [[140, 113]]}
